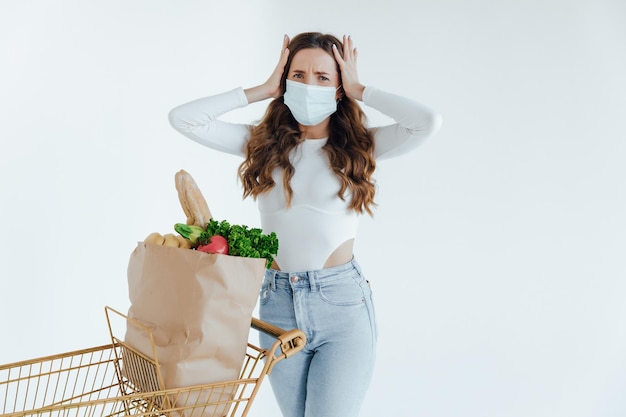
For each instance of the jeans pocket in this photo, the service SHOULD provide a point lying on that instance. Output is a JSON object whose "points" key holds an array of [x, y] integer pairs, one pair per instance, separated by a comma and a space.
{"points": [[373, 319], [343, 292], [264, 295]]}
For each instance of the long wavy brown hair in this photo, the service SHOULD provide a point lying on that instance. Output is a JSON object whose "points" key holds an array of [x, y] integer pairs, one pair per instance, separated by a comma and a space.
{"points": [[349, 147]]}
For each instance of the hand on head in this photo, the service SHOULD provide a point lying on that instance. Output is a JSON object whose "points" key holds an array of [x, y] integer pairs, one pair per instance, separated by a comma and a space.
{"points": [[273, 82], [347, 64]]}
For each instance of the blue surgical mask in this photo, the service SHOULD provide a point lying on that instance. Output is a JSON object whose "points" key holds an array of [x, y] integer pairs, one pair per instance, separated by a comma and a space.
{"points": [[310, 104]]}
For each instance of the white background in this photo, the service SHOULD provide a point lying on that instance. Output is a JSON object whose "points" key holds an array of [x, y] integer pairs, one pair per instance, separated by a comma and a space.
{"points": [[497, 252]]}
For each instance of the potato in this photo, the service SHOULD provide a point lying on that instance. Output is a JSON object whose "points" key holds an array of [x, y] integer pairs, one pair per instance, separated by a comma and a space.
{"points": [[155, 239]]}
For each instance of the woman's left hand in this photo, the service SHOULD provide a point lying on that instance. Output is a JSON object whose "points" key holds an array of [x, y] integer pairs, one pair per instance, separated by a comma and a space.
{"points": [[349, 75]]}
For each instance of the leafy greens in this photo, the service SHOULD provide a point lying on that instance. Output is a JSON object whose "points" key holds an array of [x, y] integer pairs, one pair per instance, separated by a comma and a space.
{"points": [[242, 240]]}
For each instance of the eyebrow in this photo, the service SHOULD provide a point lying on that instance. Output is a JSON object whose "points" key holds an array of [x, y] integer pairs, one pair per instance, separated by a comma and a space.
{"points": [[316, 72]]}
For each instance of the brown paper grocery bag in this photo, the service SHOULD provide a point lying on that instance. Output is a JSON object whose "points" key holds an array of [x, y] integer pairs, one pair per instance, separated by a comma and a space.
{"points": [[198, 306]]}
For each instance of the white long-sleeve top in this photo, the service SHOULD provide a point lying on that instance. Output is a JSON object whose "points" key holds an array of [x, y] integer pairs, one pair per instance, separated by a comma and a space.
{"points": [[318, 221]]}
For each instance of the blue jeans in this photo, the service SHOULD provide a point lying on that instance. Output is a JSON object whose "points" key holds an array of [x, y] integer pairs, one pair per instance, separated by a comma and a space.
{"points": [[333, 307]]}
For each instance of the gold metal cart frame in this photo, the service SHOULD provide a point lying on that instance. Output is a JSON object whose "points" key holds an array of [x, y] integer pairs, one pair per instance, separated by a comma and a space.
{"points": [[117, 380]]}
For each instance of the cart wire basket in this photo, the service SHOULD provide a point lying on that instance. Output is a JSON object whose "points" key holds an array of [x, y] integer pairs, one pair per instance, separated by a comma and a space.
{"points": [[118, 380]]}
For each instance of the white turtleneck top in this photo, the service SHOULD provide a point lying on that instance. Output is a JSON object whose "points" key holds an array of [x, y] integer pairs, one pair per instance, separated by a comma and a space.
{"points": [[318, 221]]}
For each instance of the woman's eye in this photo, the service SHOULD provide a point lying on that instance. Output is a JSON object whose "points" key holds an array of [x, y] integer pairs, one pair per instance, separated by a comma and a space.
{"points": [[297, 75], [324, 78]]}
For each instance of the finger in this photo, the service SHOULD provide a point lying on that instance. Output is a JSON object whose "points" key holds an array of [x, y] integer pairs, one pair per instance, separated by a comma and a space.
{"points": [[349, 44], [284, 52], [285, 43], [346, 47], [337, 55], [284, 55]]}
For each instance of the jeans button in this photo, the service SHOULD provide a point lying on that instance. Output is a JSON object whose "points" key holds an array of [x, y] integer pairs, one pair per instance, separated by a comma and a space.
{"points": [[294, 278]]}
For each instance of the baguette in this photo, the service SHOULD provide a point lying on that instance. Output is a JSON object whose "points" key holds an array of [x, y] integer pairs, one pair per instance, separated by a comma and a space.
{"points": [[191, 199]]}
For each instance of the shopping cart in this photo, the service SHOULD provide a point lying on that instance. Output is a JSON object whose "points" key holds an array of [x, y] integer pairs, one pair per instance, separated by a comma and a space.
{"points": [[117, 380]]}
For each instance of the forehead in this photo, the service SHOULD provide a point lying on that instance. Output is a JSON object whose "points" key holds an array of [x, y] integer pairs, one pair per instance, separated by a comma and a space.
{"points": [[313, 58]]}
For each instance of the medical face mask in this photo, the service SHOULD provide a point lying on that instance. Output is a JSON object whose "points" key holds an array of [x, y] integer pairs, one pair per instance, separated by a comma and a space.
{"points": [[310, 104]]}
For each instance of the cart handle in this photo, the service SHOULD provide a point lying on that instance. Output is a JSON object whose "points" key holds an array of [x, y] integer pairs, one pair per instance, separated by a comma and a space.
{"points": [[267, 328], [291, 341]]}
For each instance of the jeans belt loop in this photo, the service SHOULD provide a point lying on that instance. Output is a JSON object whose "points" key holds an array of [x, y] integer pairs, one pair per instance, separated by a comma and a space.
{"points": [[311, 276], [273, 280]]}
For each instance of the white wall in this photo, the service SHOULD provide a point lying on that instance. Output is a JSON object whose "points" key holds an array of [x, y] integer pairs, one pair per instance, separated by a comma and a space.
{"points": [[497, 253]]}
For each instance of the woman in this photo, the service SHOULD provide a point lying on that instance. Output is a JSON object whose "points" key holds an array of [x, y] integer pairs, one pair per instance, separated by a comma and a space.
{"points": [[309, 163]]}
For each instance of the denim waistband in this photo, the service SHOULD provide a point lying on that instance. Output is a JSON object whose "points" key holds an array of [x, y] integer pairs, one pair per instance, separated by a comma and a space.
{"points": [[313, 277]]}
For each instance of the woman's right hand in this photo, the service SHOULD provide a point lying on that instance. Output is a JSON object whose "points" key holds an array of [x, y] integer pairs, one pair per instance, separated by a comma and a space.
{"points": [[271, 88]]}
